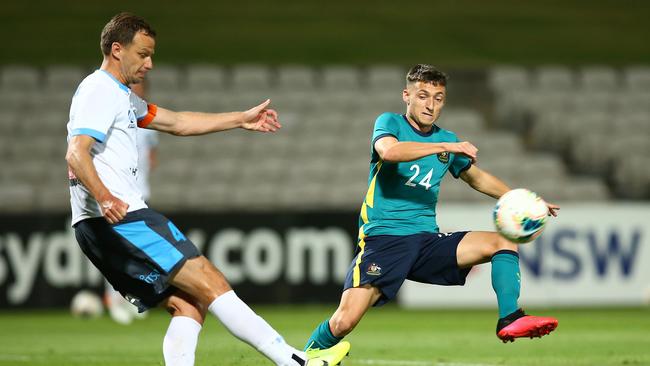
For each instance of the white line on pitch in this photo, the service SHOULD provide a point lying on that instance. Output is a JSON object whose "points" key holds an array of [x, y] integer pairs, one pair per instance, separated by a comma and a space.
{"points": [[416, 363]]}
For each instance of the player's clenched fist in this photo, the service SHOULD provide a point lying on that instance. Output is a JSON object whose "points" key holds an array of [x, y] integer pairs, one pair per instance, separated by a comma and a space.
{"points": [[113, 209], [465, 148]]}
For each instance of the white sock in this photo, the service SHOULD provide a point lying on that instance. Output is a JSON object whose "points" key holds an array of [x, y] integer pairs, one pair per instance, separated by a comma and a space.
{"points": [[244, 324], [179, 344]]}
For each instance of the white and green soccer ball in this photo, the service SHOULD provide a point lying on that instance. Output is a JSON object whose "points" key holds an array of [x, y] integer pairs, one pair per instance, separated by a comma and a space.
{"points": [[520, 215]]}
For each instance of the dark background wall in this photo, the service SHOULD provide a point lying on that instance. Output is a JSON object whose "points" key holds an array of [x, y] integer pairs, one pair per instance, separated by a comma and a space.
{"points": [[461, 33]]}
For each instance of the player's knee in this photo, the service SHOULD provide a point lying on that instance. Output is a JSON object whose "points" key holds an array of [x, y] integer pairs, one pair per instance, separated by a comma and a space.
{"points": [[200, 278], [502, 243], [342, 325]]}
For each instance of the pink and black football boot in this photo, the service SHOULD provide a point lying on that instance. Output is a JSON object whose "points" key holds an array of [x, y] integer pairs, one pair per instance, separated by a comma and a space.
{"points": [[520, 325]]}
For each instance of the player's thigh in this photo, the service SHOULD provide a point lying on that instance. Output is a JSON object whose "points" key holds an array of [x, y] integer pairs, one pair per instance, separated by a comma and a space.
{"points": [[354, 304], [477, 247], [201, 279], [182, 304]]}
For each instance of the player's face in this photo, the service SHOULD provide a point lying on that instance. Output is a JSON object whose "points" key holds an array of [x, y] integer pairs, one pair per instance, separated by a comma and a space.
{"points": [[424, 102], [136, 58]]}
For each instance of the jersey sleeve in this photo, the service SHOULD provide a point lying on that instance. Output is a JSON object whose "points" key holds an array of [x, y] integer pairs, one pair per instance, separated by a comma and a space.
{"points": [[144, 111], [385, 126], [459, 163], [93, 112]]}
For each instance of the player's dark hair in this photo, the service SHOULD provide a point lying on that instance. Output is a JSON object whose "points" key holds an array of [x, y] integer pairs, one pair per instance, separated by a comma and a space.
{"points": [[426, 73], [121, 29]]}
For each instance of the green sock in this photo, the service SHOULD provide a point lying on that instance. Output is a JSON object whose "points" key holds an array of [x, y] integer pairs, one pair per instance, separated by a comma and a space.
{"points": [[506, 280], [322, 337]]}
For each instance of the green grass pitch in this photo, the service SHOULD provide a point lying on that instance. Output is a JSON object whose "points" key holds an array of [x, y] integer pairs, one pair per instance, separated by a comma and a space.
{"points": [[388, 336]]}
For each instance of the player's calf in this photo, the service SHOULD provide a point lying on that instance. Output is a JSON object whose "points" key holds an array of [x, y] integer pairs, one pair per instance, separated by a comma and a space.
{"points": [[519, 325]]}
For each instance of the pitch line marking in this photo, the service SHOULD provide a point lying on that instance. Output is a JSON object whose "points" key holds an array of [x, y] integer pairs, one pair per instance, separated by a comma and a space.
{"points": [[415, 363]]}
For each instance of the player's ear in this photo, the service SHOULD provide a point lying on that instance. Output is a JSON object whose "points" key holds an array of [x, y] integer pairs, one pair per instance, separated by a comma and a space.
{"points": [[405, 96], [116, 49]]}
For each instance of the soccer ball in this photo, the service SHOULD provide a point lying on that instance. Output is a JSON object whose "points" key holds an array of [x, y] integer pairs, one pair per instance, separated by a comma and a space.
{"points": [[86, 304], [520, 215]]}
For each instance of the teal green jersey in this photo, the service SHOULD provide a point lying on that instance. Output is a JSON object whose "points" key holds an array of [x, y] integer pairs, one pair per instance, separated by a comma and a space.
{"points": [[402, 197]]}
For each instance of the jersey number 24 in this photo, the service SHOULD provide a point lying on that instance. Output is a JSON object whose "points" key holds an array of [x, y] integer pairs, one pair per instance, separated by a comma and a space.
{"points": [[425, 182]]}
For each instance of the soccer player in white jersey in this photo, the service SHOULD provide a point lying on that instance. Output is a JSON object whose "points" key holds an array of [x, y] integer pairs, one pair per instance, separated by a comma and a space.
{"points": [[119, 308], [141, 253]]}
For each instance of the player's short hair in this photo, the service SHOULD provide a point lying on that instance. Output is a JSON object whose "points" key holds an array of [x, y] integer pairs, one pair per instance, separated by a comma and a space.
{"points": [[121, 29], [426, 73]]}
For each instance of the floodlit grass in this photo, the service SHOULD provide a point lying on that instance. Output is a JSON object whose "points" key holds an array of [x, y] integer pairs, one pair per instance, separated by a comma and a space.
{"points": [[387, 336]]}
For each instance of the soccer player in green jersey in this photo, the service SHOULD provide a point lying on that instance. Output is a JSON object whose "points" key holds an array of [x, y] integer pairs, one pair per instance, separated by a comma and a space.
{"points": [[398, 235]]}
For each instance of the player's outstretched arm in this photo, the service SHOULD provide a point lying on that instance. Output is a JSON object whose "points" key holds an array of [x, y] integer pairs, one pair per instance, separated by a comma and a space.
{"points": [[258, 118], [492, 186], [392, 150], [484, 182], [81, 164]]}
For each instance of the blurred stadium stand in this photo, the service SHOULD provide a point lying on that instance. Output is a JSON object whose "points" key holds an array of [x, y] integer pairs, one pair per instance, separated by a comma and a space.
{"points": [[596, 119], [548, 128]]}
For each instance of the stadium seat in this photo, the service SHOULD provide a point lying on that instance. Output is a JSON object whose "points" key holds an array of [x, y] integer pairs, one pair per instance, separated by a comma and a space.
{"points": [[456, 190], [463, 122], [637, 78], [511, 109], [507, 78], [19, 78], [554, 78], [64, 78], [54, 194], [385, 78], [589, 154], [631, 177], [632, 101], [593, 101], [206, 78], [199, 101], [17, 197], [169, 196], [251, 77], [168, 99], [493, 145], [598, 78], [295, 78], [341, 78], [635, 121], [629, 143], [585, 190], [165, 77], [10, 121], [214, 196], [536, 165]]}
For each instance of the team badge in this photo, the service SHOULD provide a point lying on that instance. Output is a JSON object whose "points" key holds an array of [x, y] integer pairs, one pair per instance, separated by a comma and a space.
{"points": [[443, 157], [374, 270]]}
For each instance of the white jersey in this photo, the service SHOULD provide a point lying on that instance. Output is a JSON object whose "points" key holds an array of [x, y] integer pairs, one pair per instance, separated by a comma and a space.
{"points": [[105, 109], [147, 140]]}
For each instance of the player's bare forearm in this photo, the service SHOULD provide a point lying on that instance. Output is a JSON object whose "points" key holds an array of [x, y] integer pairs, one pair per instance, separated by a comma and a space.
{"points": [[392, 150], [195, 123], [408, 151], [80, 162], [484, 182], [258, 118]]}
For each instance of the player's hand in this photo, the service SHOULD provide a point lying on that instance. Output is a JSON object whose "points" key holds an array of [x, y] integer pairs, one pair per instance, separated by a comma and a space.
{"points": [[464, 148], [113, 209], [261, 119], [552, 209]]}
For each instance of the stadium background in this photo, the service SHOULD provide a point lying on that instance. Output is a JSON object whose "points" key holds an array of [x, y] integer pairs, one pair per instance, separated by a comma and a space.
{"points": [[556, 95]]}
